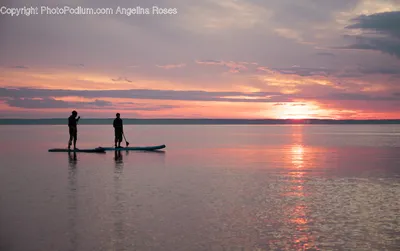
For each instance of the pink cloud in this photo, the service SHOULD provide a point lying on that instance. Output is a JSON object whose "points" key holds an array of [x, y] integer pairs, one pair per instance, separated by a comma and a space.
{"points": [[171, 66], [234, 67]]}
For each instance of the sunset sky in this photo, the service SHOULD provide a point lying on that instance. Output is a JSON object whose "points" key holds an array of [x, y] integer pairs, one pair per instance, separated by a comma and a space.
{"points": [[214, 59]]}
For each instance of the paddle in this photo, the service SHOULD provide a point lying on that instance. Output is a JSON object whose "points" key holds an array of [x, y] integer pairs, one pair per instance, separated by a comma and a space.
{"points": [[126, 142]]}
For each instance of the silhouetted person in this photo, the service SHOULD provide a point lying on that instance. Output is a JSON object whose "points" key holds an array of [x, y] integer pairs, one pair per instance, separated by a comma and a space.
{"points": [[73, 130], [118, 129]]}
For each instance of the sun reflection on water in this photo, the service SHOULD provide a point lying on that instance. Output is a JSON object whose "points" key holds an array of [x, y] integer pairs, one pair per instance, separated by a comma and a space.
{"points": [[297, 218], [297, 156]]}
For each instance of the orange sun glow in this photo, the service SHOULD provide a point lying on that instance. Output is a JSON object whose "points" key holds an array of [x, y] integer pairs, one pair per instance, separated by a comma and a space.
{"points": [[297, 111]]}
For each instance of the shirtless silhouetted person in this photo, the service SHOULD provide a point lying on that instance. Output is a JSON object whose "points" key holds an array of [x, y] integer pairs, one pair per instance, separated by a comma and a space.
{"points": [[118, 129], [73, 130]]}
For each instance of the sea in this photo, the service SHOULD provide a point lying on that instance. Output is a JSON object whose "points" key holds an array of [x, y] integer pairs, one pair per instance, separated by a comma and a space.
{"points": [[214, 187]]}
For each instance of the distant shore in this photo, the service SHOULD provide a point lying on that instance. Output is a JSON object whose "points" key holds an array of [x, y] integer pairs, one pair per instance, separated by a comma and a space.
{"points": [[91, 121]]}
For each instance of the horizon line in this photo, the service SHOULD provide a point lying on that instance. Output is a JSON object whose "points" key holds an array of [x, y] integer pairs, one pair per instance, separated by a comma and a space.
{"points": [[294, 119], [196, 121]]}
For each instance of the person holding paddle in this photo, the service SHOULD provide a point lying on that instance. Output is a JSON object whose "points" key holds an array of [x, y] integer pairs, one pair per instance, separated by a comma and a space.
{"points": [[119, 131], [73, 130]]}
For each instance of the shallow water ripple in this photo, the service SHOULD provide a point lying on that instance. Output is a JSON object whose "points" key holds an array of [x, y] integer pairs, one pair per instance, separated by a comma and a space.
{"points": [[295, 212], [247, 188]]}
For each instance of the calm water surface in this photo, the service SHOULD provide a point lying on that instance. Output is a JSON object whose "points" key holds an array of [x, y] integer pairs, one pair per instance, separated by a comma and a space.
{"points": [[213, 188]]}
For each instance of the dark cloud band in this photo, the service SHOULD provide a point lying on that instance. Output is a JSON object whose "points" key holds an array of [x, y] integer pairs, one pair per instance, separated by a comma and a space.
{"points": [[254, 97]]}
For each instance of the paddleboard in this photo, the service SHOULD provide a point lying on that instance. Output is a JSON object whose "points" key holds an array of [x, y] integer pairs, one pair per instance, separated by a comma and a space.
{"points": [[135, 148], [92, 150]]}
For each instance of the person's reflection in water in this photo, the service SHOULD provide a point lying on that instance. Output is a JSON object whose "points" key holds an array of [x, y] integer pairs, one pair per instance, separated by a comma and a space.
{"points": [[72, 200], [118, 159], [118, 208], [72, 160]]}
